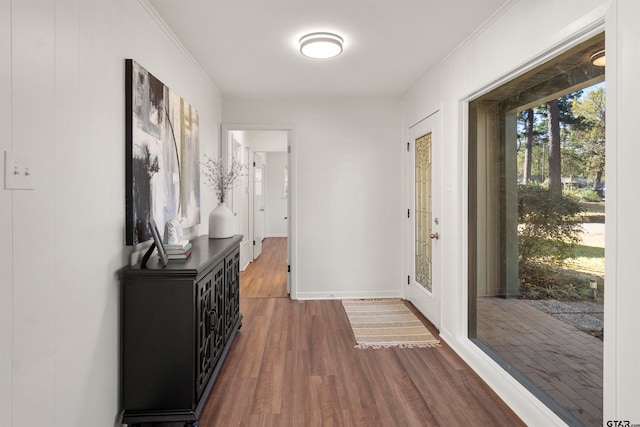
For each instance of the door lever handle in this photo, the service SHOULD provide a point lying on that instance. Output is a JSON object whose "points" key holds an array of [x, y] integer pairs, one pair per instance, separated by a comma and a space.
{"points": [[434, 236]]}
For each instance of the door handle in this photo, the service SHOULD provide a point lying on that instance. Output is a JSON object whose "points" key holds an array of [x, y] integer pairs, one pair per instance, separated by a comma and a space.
{"points": [[434, 236]]}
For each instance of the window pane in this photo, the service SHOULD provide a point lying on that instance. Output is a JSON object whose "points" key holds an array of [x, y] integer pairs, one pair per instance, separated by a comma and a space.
{"points": [[536, 231], [423, 211]]}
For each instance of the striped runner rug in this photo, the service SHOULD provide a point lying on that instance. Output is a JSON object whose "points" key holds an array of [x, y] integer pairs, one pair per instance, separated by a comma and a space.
{"points": [[384, 323]]}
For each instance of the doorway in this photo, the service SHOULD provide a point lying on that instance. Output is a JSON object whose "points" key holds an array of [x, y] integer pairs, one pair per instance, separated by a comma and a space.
{"points": [[262, 202], [423, 218]]}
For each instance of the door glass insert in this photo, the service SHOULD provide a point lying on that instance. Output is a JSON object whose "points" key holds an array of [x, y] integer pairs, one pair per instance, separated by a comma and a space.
{"points": [[423, 211]]}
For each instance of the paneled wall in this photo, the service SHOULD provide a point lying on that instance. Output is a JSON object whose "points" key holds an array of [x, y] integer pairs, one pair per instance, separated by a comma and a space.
{"points": [[62, 244]]}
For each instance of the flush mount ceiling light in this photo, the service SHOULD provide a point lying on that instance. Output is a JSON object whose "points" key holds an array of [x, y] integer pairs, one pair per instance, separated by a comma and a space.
{"points": [[598, 58], [321, 45]]}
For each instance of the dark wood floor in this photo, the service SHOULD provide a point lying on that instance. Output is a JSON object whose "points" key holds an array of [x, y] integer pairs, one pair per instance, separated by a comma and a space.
{"points": [[266, 277], [293, 364]]}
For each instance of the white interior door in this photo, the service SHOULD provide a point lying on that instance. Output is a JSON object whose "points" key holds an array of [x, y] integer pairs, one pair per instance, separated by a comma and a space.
{"points": [[239, 201], [258, 206], [424, 221]]}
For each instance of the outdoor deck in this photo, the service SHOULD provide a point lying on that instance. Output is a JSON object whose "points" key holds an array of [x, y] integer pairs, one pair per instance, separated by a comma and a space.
{"points": [[564, 362]]}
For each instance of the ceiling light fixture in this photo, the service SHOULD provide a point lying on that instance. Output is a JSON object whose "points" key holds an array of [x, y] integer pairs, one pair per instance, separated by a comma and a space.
{"points": [[598, 58], [321, 45]]}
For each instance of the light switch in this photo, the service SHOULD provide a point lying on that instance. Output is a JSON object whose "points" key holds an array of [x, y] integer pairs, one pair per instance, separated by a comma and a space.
{"points": [[19, 171]]}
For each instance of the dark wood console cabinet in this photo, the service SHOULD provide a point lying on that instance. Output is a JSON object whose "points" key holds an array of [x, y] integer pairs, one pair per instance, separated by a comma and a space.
{"points": [[178, 323]]}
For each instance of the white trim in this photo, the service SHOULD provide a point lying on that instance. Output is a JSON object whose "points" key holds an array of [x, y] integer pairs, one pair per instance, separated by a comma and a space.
{"points": [[328, 295], [276, 235], [422, 120], [174, 39], [589, 31], [613, 350]]}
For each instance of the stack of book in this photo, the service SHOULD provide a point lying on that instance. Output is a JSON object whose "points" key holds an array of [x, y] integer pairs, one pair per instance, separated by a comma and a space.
{"points": [[180, 250]]}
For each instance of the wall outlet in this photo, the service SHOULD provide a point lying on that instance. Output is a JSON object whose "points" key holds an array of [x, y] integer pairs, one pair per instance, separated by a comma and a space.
{"points": [[19, 171]]}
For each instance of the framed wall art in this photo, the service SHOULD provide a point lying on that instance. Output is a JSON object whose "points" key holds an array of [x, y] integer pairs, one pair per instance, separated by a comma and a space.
{"points": [[162, 153]]}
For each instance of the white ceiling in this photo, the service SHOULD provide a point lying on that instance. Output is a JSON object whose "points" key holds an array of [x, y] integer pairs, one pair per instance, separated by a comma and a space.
{"points": [[249, 47]]}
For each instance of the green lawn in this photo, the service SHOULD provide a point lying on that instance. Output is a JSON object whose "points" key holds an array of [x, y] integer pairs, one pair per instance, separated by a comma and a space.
{"points": [[594, 212], [590, 252]]}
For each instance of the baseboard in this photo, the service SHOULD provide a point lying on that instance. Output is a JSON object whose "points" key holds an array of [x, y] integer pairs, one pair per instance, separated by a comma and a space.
{"points": [[348, 295], [277, 235]]}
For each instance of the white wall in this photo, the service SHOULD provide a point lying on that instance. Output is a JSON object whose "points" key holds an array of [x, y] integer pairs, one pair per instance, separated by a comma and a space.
{"points": [[62, 245], [276, 207], [508, 45], [348, 213]]}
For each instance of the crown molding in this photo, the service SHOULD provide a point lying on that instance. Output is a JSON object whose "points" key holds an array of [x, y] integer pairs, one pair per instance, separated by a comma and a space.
{"points": [[174, 39]]}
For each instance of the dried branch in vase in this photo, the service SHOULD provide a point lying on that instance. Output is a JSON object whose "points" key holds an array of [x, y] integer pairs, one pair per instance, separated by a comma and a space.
{"points": [[219, 177]]}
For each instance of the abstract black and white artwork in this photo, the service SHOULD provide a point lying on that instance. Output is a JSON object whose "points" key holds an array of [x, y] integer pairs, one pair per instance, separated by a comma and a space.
{"points": [[162, 153]]}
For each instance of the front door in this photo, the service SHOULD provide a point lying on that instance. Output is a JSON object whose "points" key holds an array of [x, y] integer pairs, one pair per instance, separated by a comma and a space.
{"points": [[424, 221]]}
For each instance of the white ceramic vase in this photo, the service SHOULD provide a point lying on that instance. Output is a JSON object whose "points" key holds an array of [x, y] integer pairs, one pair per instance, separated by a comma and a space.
{"points": [[221, 222]]}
